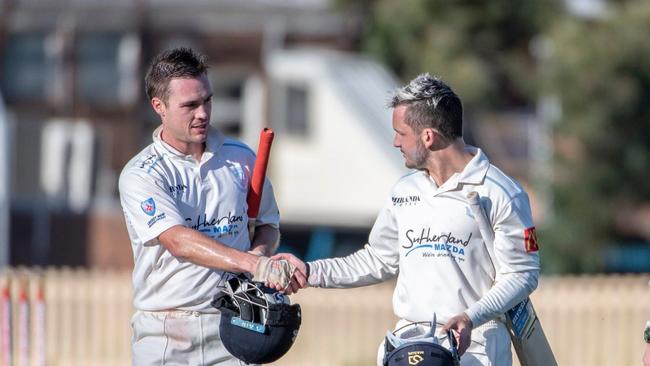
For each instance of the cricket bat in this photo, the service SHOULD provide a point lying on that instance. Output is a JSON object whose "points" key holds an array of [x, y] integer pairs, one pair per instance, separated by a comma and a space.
{"points": [[525, 329], [254, 196]]}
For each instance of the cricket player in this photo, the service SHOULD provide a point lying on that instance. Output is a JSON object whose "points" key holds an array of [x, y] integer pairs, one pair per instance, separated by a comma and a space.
{"points": [[184, 202], [426, 236]]}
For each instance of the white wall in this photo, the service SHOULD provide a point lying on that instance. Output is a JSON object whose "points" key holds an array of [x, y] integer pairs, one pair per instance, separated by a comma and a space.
{"points": [[342, 173]]}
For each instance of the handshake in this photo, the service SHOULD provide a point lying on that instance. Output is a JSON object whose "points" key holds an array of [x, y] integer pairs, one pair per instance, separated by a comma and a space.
{"points": [[283, 272]]}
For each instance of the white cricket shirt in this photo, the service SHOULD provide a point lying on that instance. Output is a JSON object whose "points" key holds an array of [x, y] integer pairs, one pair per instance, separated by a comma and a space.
{"points": [[427, 236], [161, 188]]}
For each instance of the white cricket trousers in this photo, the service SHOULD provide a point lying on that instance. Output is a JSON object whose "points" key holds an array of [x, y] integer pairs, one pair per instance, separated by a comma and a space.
{"points": [[178, 338], [490, 346]]}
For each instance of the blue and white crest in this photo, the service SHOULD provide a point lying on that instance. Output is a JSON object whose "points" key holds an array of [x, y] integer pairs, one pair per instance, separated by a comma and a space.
{"points": [[237, 171], [148, 206]]}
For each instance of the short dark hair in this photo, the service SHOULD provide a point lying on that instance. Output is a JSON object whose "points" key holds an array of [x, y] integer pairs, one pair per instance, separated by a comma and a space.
{"points": [[174, 63], [430, 104]]}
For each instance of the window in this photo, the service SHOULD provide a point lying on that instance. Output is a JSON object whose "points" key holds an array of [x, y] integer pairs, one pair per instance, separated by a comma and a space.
{"points": [[227, 83], [290, 108], [296, 110], [97, 68], [24, 69]]}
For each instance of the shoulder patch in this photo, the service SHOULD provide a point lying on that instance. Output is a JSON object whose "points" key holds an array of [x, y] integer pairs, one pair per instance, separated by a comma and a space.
{"points": [[148, 206], [530, 240]]}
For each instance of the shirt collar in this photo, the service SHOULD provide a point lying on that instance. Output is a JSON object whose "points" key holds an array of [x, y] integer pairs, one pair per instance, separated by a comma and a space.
{"points": [[473, 173], [213, 144], [476, 169]]}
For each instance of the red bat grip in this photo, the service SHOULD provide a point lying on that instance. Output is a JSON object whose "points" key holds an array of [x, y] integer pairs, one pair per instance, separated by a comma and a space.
{"points": [[259, 172]]}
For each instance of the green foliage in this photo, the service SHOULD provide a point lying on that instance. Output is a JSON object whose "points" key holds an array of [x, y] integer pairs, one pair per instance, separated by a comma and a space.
{"points": [[480, 47], [601, 71], [598, 67]]}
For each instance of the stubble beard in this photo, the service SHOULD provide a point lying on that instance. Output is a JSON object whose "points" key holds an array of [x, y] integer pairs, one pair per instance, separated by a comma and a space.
{"points": [[419, 161]]}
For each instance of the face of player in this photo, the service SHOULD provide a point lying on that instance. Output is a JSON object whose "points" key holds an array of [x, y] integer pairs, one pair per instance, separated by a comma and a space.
{"points": [[408, 141], [186, 114]]}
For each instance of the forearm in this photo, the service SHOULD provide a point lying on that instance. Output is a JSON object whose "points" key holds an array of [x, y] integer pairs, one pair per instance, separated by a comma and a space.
{"points": [[360, 268], [507, 292], [266, 240], [192, 246]]}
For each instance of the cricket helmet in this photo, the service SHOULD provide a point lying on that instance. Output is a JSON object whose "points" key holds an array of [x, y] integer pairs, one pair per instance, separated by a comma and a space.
{"points": [[258, 324], [417, 344]]}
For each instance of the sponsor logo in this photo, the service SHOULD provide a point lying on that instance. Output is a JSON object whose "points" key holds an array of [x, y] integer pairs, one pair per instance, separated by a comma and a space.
{"points": [[177, 189], [255, 327], [278, 297], [530, 240], [228, 224], [520, 315], [443, 244], [148, 206], [150, 162], [406, 200], [156, 219], [415, 357]]}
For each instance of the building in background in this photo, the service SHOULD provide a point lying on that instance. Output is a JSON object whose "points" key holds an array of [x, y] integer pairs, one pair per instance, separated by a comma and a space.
{"points": [[71, 74]]}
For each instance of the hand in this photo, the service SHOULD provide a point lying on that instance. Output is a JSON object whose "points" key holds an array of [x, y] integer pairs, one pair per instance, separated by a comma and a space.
{"points": [[299, 279], [646, 355], [276, 273], [461, 327]]}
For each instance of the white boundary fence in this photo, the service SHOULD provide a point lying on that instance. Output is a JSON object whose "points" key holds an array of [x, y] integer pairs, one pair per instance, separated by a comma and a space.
{"points": [[83, 318]]}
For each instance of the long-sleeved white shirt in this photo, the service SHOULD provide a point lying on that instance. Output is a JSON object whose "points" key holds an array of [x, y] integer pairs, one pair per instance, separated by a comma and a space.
{"points": [[427, 236]]}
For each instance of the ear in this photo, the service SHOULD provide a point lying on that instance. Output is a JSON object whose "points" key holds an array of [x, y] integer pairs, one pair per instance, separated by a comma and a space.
{"points": [[158, 106], [428, 137]]}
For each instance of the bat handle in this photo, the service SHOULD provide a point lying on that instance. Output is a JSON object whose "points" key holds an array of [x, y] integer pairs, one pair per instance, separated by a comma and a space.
{"points": [[473, 198], [251, 227]]}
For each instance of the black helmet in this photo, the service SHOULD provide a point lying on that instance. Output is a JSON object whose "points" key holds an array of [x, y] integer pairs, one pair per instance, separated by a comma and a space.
{"points": [[258, 324], [418, 346]]}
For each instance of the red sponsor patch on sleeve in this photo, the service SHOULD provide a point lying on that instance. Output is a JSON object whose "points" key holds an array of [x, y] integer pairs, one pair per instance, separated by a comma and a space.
{"points": [[530, 240]]}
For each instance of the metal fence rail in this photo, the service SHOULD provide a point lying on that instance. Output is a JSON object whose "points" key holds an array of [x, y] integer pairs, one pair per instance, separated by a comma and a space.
{"points": [[82, 317]]}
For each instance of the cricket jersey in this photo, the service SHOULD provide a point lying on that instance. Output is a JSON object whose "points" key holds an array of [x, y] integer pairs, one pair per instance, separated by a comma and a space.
{"points": [[161, 188], [427, 236]]}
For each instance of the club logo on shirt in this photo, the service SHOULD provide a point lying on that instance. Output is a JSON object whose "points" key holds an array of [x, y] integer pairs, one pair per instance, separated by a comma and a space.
{"points": [[148, 206], [530, 240], [405, 200], [438, 245], [237, 170]]}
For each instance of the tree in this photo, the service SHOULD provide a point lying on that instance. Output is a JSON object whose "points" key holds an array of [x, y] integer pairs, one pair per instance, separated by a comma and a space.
{"points": [[479, 47], [601, 72]]}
